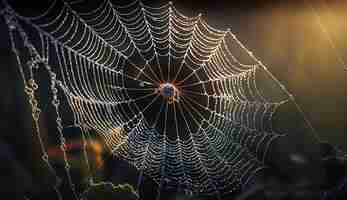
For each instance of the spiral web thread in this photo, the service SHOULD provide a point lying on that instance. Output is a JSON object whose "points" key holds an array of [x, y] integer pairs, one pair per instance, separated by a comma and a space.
{"points": [[109, 62]]}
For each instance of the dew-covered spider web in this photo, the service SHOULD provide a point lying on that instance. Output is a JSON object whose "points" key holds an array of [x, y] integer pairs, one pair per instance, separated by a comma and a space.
{"points": [[174, 96]]}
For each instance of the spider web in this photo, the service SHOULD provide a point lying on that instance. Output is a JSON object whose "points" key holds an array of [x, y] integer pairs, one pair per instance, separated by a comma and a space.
{"points": [[210, 135]]}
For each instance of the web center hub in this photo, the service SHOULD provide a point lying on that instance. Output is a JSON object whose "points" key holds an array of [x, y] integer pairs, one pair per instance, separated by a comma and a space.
{"points": [[169, 92]]}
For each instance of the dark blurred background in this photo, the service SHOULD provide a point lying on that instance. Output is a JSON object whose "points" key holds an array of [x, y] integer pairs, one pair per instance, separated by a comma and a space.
{"points": [[303, 43]]}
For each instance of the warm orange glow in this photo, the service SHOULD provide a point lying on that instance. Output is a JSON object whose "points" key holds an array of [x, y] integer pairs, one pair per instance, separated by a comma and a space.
{"points": [[95, 147], [97, 150]]}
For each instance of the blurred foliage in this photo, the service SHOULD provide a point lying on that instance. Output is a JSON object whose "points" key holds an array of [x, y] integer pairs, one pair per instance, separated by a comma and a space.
{"points": [[106, 191]]}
